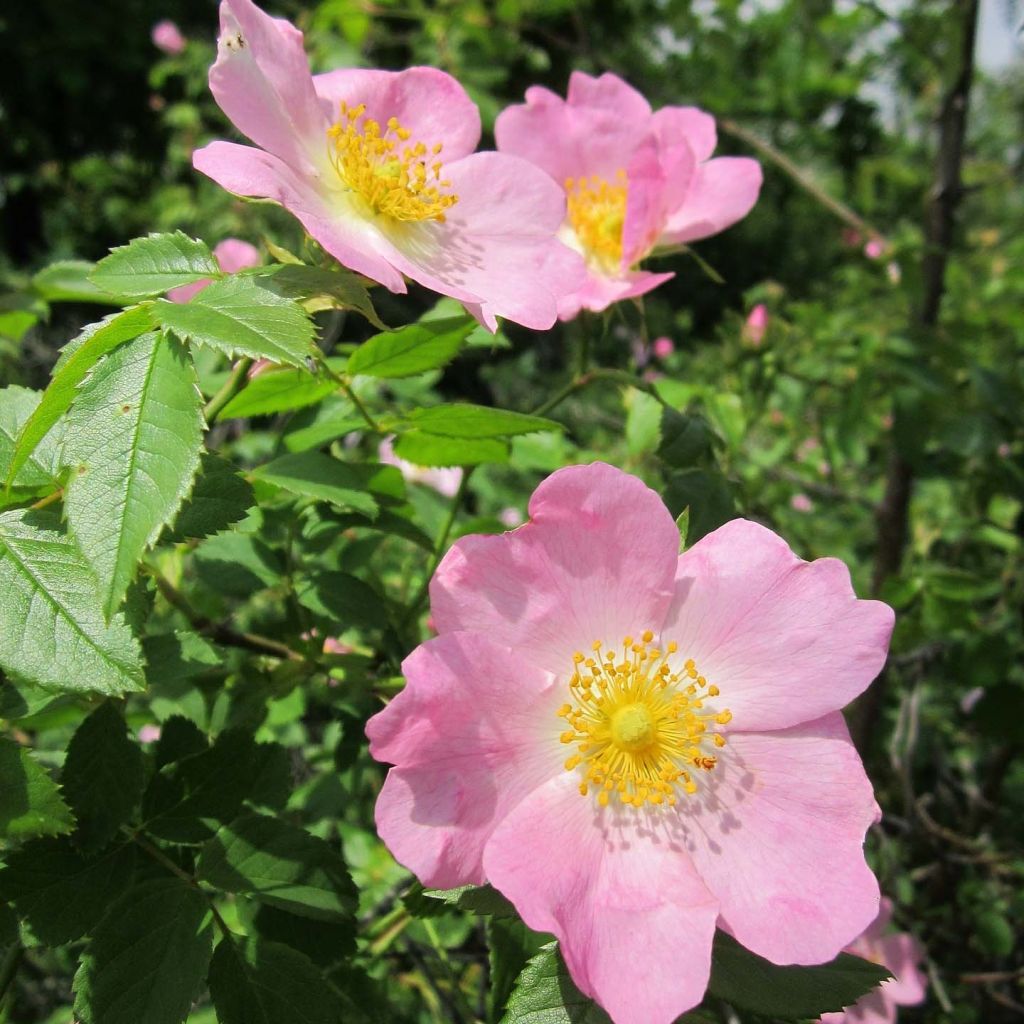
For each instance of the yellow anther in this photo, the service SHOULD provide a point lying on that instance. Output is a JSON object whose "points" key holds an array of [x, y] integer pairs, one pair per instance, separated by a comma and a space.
{"points": [[564, 710], [628, 642], [713, 691], [724, 717], [672, 647], [648, 636]]}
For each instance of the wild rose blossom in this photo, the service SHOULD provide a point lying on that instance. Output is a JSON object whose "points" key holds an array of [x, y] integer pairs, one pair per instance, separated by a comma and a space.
{"points": [[899, 952], [756, 325], [232, 255], [166, 36], [663, 347], [445, 480], [635, 180], [379, 168], [635, 746]]}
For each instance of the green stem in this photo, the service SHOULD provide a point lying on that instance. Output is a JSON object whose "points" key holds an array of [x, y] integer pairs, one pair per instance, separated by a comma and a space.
{"points": [[48, 500], [360, 408], [9, 969], [237, 380], [458, 997]]}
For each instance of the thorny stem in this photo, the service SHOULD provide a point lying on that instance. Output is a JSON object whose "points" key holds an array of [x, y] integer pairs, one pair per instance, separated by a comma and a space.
{"points": [[237, 380]]}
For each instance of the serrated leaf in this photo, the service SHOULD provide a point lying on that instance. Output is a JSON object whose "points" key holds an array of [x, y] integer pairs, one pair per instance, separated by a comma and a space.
{"points": [[78, 358], [477, 899], [221, 496], [279, 864], [705, 494], [341, 599], [685, 440], [335, 288], [62, 893], [315, 427], [69, 281], [133, 442], [440, 452], [414, 349], [278, 390], [148, 958], [324, 942], [239, 316], [30, 803], [154, 264], [322, 477], [189, 800], [260, 982], [788, 993], [476, 421], [40, 468], [102, 778], [511, 945], [171, 657], [52, 629]]}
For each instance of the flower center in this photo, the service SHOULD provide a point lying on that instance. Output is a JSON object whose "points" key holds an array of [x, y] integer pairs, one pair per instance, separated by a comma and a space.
{"points": [[597, 210], [393, 178], [640, 729]]}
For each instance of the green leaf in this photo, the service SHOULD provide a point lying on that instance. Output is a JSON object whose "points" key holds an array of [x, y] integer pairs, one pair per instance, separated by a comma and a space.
{"points": [[148, 957], [30, 803], [411, 350], [189, 799], [52, 628], [326, 288], [260, 982], [171, 657], [511, 945], [545, 994], [477, 899], [322, 477], [685, 440], [152, 265], [476, 421], [708, 497], [342, 600], [40, 468], [221, 496], [278, 391], [324, 942], [78, 358], [62, 893], [133, 442], [279, 864], [430, 450], [102, 777], [241, 317], [788, 993], [313, 428], [69, 281]]}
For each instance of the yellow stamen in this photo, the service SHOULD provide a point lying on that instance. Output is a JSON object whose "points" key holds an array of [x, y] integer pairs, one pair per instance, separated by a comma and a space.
{"points": [[393, 179], [596, 210], [639, 728]]}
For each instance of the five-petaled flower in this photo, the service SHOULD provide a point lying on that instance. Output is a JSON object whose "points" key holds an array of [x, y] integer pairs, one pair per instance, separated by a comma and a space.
{"points": [[379, 168], [635, 745], [899, 952], [634, 180]]}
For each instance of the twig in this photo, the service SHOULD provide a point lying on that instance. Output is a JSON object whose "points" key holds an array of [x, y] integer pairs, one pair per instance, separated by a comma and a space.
{"points": [[237, 380], [48, 500]]}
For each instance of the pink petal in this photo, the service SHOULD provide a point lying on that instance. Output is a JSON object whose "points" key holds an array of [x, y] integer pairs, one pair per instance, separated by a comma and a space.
{"points": [[233, 255], [634, 921], [589, 565], [184, 292], [608, 92], [598, 292], [427, 101], [657, 177], [785, 641], [352, 240], [261, 80], [874, 1008], [777, 831], [497, 247], [474, 731], [901, 953], [687, 124], [566, 141], [723, 191]]}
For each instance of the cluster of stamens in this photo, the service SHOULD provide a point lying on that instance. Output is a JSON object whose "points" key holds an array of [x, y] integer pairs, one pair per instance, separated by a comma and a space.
{"points": [[394, 178], [596, 210], [639, 728]]}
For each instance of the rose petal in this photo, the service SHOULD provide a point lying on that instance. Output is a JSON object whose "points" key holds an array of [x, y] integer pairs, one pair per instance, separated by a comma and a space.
{"points": [[723, 191], [608, 92], [634, 922], [777, 831], [656, 176], [590, 565], [785, 641], [901, 953], [474, 732], [598, 292], [691, 125]]}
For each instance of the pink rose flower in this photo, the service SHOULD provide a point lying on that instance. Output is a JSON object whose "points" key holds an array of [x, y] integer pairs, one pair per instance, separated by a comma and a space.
{"points": [[445, 480], [663, 347], [166, 36], [901, 954], [232, 255], [379, 168], [634, 179], [635, 746], [756, 325]]}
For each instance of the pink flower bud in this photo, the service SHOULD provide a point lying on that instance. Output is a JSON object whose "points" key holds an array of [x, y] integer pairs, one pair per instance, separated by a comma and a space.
{"points": [[167, 37], [756, 326], [663, 347], [875, 249], [801, 503]]}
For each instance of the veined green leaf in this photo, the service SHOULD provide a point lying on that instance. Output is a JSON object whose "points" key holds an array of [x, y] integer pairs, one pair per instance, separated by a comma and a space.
{"points": [[30, 803], [240, 316], [78, 358], [69, 281], [132, 443], [422, 449], [154, 264], [52, 628], [278, 391], [476, 421], [411, 350], [221, 496], [40, 468], [326, 288], [319, 476]]}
